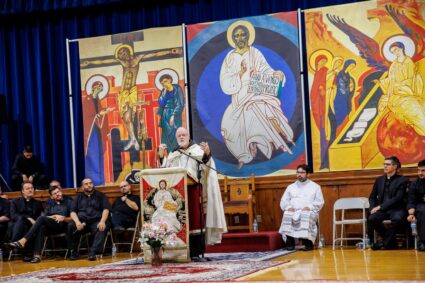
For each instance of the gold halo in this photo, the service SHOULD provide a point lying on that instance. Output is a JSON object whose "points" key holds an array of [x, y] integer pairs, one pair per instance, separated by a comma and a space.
{"points": [[409, 46], [246, 24], [317, 53], [97, 78], [173, 74], [122, 46]]}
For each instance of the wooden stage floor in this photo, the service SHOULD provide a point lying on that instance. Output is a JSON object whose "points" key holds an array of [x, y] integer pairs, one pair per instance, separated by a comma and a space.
{"points": [[323, 264]]}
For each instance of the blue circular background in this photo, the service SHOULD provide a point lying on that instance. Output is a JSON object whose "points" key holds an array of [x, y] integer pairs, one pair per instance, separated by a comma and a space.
{"points": [[211, 102]]}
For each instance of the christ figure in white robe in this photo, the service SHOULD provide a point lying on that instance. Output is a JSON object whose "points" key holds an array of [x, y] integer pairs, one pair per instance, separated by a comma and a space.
{"points": [[253, 120]]}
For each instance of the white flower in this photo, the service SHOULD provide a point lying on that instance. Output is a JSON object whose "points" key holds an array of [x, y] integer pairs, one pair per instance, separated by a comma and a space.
{"points": [[157, 234]]}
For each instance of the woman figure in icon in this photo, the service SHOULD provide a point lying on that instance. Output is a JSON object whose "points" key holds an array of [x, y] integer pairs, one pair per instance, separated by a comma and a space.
{"points": [[97, 88]]}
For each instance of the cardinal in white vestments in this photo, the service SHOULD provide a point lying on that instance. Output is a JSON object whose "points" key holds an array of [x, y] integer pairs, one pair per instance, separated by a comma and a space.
{"points": [[186, 156]]}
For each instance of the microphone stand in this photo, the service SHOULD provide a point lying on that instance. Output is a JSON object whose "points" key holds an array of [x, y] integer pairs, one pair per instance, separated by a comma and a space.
{"points": [[199, 162], [4, 181], [201, 207]]}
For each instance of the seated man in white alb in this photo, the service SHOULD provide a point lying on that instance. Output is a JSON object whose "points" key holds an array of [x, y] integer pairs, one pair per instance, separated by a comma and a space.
{"points": [[301, 204]]}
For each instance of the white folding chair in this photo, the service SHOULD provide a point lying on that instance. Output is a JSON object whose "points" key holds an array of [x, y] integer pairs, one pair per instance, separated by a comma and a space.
{"points": [[342, 205], [134, 230], [415, 242], [12, 253]]}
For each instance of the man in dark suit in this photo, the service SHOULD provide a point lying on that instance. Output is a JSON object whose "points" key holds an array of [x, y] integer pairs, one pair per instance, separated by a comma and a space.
{"points": [[24, 211], [54, 221], [416, 204], [27, 168], [387, 202]]}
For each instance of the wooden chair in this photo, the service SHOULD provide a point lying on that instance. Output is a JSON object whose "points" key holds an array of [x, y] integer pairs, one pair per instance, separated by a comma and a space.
{"points": [[239, 198]]}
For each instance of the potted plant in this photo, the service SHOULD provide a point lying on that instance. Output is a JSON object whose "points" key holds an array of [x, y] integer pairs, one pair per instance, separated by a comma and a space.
{"points": [[156, 235]]}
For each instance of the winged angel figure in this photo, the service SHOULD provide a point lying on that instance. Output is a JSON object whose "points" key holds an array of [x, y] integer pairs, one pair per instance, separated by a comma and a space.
{"points": [[401, 84]]}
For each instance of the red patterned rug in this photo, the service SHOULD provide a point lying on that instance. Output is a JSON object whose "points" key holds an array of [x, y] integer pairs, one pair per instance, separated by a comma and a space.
{"points": [[130, 271]]}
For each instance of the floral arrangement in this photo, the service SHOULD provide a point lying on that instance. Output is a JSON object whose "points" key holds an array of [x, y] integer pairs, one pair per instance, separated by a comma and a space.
{"points": [[157, 235]]}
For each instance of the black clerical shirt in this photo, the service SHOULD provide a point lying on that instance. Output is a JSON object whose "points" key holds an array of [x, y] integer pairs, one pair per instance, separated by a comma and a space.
{"points": [[387, 184], [29, 167], [122, 208], [58, 208], [89, 208]]}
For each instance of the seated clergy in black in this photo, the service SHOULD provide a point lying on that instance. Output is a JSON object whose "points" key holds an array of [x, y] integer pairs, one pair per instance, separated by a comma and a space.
{"points": [[4, 217], [27, 169], [416, 204], [24, 212], [54, 221], [125, 208], [387, 202], [89, 212]]}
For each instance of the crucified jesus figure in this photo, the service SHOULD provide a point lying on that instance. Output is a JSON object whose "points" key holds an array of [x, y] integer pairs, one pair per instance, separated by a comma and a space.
{"points": [[127, 97]]}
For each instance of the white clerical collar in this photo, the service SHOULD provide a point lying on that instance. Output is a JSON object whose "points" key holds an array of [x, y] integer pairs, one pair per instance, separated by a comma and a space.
{"points": [[301, 184]]}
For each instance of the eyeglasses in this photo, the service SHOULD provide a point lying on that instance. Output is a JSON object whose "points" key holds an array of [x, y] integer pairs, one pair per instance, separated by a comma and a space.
{"points": [[301, 172]]}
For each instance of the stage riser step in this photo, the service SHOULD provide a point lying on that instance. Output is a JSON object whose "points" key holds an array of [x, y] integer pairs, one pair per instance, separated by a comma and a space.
{"points": [[248, 242]]}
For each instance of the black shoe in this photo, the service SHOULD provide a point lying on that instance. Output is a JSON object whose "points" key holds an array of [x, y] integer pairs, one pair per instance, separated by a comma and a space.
{"points": [[290, 243], [91, 257], [421, 246], [377, 246], [308, 245], [27, 258], [308, 248], [15, 245], [199, 259], [390, 244], [35, 259], [74, 256], [390, 247]]}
